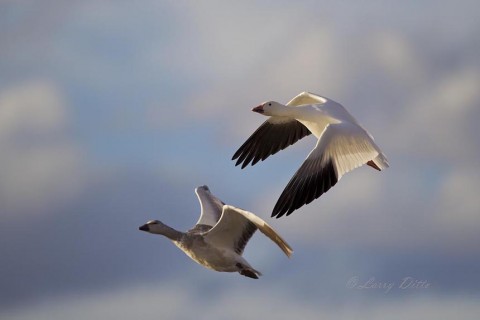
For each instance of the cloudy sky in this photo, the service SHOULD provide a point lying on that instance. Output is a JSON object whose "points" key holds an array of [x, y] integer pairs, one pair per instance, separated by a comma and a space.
{"points": [[112, 112]]}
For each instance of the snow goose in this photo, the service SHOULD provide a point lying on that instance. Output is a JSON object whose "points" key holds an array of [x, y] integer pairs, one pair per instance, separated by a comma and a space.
{"points": [[342, 146], [219, 236]]}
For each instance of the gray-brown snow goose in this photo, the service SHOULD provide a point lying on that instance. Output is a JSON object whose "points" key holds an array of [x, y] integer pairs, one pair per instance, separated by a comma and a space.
{"points": [[219, 236], [343, 145]]}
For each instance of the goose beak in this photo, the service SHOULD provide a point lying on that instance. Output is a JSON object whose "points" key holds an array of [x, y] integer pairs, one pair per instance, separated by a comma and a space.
{"points": [[258, 109], [144, 227]]}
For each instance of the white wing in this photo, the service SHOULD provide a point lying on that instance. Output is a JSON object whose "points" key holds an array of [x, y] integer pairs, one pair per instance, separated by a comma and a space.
{"points": [[349, 146], [341, 148], [306, 98], [211, 207], [236, 227]]}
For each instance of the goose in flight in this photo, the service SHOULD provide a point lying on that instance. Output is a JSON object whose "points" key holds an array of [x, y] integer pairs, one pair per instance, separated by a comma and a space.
{"points": [[219, 236], [342, 145]]}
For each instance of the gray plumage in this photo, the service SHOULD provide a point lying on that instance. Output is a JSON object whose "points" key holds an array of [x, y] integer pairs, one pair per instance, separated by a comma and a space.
{"points": [[219, 237]]}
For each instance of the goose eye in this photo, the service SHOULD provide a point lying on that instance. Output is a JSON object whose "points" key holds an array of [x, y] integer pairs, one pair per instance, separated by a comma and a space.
{"points": [[269, 104]]}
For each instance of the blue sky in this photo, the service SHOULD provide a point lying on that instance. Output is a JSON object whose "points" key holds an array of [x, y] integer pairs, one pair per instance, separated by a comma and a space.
{"points": [[111, 113]]}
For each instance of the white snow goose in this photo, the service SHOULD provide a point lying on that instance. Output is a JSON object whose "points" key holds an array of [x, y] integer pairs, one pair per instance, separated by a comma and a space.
{"points": [[343, 145], [219, 236]]}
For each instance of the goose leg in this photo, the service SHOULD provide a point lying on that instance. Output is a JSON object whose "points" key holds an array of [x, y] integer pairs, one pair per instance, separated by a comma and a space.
{"points": [[247, 272], [373, 165]]}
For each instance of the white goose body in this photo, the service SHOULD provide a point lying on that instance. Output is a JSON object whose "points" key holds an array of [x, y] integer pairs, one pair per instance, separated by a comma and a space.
{"points": [[342, 145], [220, 235], [209, 255]]}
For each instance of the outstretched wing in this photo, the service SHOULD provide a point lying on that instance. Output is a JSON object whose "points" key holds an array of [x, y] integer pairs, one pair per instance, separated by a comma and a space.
{"points": [[211, 207], [341, 148], [273, 135], [306, 98], [236, 227]]}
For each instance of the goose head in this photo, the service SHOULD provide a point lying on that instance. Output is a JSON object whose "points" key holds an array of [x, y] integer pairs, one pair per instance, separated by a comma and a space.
{"points": [[157, 227], [153, 226], [270, 108]]}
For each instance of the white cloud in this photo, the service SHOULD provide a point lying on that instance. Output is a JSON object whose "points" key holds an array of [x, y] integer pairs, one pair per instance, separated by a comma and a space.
{"points": [[397, 209], [456, 207], [348, 214], [32, 108], [40, 165], [436, 121], [259, 58], [428, 129], [396, 55], [178, 300], [154, 302], [416, 202]]}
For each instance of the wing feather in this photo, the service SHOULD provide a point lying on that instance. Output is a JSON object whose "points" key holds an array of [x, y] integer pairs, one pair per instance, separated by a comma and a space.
{"points": [[341, 148], [273, 135], [234, 229], [211, 207]]}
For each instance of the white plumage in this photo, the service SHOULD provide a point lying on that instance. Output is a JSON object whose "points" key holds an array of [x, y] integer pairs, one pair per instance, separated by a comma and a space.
{"points": [[343, 145]]}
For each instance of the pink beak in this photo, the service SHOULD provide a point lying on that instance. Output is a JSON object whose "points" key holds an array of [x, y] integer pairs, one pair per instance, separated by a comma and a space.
{"points": [[258, 109]]}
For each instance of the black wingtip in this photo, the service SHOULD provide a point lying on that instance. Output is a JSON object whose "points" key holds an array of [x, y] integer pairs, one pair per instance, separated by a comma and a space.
{"points": [[267, 140], [238, 162], [276, 213], [302, 191], [236, 154], [279, 214]]}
